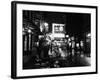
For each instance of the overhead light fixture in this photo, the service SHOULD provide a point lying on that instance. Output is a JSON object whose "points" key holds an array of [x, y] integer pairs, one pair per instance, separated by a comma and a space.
{"points": [[88, 35], [45, 24]]}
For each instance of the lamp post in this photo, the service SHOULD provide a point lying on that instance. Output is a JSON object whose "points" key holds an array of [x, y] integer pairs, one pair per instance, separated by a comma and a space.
{"points": [[29, 31]]}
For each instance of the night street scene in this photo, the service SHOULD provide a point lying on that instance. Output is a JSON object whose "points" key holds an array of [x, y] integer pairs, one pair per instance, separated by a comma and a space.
{"points": [[56, 39]]}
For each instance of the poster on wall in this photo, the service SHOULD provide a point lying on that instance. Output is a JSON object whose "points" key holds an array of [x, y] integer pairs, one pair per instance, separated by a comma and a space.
{"points": [[35, 50]]}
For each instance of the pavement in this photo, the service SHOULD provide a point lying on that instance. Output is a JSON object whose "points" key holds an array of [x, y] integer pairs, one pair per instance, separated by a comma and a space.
{"points": [[59, 62]]}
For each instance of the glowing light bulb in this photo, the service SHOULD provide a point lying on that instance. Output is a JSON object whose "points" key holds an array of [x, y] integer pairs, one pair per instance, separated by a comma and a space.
{"points": [[88, 35], [67, 36], [45, 24], [29, 31]]}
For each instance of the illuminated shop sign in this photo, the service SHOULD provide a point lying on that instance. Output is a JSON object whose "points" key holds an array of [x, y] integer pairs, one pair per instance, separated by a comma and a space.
{"points": [[58, 30]]}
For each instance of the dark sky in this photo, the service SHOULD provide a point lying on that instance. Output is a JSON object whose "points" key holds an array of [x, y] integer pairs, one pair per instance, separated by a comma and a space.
{"points": [[76, 23]]}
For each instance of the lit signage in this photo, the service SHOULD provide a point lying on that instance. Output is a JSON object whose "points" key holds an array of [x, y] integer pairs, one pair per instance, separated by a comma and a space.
{"points": [[58, 30]]}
